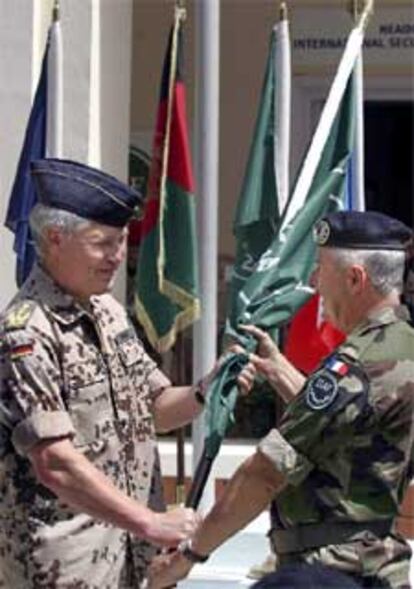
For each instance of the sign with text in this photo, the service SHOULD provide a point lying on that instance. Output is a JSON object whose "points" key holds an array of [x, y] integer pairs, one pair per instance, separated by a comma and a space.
{"points": [[319, 35]]}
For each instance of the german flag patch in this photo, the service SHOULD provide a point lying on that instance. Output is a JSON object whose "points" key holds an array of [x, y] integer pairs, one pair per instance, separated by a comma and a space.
{"points": [[20, 351]]}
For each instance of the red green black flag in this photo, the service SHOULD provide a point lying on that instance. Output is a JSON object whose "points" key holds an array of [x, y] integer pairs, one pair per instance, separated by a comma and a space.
{"points": [[166, 291]]}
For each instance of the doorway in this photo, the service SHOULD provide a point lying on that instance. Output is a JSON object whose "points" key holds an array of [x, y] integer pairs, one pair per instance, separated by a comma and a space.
{"points": [[389, 157]]}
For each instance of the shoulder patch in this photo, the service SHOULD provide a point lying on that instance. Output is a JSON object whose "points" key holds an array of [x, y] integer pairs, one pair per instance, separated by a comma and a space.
{"points": [[340, 381], [19, 351], [125, 335], [19, 314], [321, 391], [337, 366]]}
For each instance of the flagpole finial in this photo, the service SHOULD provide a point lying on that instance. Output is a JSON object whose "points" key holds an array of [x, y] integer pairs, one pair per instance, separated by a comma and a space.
{"points": [[283, 11], [354, 7], [366, 14], [56, 11], [180, 9]]}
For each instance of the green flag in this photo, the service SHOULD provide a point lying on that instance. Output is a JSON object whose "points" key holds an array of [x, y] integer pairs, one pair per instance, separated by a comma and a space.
{"points": [[279, 286], [266, 182], [278, 283], [166, 299]]}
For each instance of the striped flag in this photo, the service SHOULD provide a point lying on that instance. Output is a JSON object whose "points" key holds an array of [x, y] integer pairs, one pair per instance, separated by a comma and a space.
{"points": [[166, 286]]}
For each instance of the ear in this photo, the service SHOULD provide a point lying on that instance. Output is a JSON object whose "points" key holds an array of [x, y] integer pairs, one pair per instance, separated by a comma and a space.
{"points": [[356, 279], [53, 237]]}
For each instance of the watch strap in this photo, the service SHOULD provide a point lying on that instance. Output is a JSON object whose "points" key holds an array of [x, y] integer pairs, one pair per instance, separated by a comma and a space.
{"points": [[187, 551]]}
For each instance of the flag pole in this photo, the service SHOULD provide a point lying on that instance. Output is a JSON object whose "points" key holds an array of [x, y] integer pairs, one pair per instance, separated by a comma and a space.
{"points": [[357, 164], [56, 11], [282, 130], [54, 124], [206, 167], [282, 102], [180, 433], [366, 14]]}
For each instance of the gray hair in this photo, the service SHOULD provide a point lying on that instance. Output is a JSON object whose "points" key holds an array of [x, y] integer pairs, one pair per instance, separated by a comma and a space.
{"points": [[385, 268], [42, 217]]}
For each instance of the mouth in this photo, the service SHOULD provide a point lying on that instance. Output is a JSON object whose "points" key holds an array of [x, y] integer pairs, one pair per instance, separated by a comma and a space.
{"points": [[107, 273]]}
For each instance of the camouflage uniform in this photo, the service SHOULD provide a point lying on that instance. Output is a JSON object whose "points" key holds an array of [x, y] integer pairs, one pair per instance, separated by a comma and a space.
{"points": [[70, 372], [345, 445]]}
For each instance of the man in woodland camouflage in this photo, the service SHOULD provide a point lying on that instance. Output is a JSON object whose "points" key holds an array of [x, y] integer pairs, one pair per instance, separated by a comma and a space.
{"points": [[342, 457], [80, 402]]}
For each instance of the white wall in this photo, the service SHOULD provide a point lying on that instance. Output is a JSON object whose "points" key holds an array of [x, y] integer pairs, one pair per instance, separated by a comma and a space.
{"points": [[16, 34]]}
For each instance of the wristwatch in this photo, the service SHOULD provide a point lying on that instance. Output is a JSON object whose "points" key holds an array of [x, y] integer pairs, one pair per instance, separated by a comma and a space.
{"points": [[200, 392], [186, 549]]}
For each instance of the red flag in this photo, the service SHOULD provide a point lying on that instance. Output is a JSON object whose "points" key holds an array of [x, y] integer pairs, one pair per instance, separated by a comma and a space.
{"points": [[310, 338]]}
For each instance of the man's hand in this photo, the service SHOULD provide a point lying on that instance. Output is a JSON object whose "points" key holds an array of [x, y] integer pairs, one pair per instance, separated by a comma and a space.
{"points": [[167, 569], [272, 365], [170, 528], [263, 362]]}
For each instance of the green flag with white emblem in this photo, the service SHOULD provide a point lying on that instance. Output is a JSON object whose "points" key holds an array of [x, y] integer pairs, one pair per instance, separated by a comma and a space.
{"points": [[265, 186], [279, 285]]}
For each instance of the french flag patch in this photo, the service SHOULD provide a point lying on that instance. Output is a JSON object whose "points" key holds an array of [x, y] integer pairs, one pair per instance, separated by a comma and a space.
{"points": [[337, 366]]}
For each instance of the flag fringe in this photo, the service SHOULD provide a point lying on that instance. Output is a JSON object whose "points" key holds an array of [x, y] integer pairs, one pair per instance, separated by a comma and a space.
{"points": [[178, 295], [183, 320]]}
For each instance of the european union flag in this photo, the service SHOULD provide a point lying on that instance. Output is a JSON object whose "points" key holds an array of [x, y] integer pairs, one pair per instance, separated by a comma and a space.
{"points": [[23, 196]]}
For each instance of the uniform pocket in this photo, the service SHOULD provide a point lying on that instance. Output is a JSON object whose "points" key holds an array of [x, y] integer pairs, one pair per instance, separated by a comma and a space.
{"points": [[89, 402]]}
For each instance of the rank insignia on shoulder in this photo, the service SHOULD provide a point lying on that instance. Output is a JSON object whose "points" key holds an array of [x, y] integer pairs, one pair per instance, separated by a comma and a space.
{"points": [[21, 350], [19, 315], [321, 391]]}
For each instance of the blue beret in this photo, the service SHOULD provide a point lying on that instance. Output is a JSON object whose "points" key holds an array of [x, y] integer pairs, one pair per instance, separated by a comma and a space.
{"points": [[85, 191], [362, 230]]}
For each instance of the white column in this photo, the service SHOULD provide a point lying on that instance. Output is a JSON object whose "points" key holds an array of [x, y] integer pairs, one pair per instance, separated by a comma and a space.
{"points": [[76, 24], [16, 49], [114, 97], [206, 168]]}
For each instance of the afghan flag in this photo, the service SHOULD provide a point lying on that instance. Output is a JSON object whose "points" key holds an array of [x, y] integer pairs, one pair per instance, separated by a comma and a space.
{"points": [[166, 291]]}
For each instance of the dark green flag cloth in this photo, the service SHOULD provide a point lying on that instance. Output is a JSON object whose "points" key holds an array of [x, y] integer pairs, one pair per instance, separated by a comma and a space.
{"points": [[276, 285]]}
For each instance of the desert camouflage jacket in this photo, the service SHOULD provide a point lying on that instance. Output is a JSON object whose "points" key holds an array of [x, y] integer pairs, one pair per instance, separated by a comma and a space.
{"points": [[345, 445], [67, 371]]}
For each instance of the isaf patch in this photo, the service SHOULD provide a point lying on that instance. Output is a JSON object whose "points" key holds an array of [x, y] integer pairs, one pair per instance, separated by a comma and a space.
{"points": [[322, 391]]}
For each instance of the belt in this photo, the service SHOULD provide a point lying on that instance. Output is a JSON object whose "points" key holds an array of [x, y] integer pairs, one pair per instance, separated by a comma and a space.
{"points": [[310, 536]]}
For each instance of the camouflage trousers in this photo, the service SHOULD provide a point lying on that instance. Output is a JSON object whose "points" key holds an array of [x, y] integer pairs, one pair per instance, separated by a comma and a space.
{"points": [[382, 563]]}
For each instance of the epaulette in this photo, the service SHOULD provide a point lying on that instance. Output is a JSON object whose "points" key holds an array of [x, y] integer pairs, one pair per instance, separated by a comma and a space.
{"points": [[18, 315]]}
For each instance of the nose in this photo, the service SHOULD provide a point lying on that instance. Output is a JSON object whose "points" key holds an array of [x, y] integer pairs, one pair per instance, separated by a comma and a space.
{"points": [[117, 253]]}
